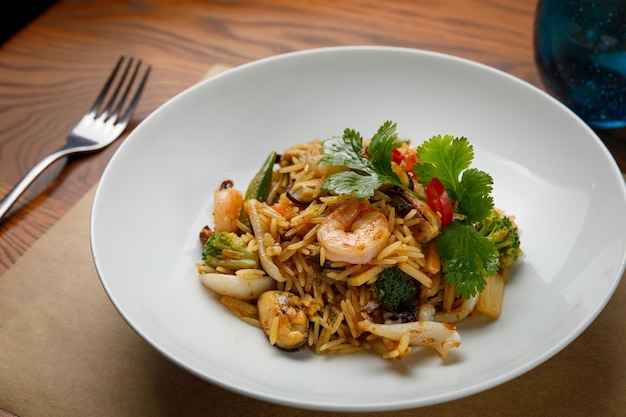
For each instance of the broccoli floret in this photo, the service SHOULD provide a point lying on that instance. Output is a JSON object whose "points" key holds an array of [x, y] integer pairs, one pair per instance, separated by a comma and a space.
{"points": [[501, 230], [394, 289], [227, 250]]}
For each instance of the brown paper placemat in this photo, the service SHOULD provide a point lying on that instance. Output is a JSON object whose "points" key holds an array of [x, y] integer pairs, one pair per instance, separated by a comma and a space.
{"points": [[65, 351]]}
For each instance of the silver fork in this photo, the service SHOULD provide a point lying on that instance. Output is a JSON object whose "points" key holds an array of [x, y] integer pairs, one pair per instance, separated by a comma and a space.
{"points": [[97, 129]]}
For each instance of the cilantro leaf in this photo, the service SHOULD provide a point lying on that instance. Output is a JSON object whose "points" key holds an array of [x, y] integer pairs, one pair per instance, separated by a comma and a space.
{"points": [[444, 157], [383, 142], [468, 257], [368, 174], [475, 199], [348, 182], [448, 159], [344, 150]]}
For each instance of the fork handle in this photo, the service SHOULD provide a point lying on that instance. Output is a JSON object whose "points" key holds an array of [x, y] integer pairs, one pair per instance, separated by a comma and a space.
{"points": [[7, 202]]}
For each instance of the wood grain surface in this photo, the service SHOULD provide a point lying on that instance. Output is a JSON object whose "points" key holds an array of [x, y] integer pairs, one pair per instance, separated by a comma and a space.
{"points": [[51, 70]]}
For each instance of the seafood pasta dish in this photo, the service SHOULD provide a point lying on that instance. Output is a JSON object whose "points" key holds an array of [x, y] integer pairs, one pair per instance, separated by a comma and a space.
{"points": [[346, 244]]}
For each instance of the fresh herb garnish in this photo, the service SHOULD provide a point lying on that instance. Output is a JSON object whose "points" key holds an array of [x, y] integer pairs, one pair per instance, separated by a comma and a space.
{"points": [[468, 256], [366, 175], [449, 159]]}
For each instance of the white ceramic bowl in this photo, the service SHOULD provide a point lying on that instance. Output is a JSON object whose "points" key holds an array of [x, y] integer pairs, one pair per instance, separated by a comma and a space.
{"points": [[549, 168]]}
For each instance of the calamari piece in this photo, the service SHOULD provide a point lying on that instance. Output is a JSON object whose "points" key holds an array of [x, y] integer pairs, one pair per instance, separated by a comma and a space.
{"points": [[459, 313], [255, 220], [236, 287], [426, 312], [439, 336]]}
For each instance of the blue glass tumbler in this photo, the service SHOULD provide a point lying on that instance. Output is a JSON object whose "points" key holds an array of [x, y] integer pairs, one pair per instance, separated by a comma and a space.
{"points": [[580, 52]]}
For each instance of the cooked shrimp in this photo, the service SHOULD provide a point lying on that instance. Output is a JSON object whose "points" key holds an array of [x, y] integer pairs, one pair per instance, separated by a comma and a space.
{"points": [[228, 203], [354, 232]]}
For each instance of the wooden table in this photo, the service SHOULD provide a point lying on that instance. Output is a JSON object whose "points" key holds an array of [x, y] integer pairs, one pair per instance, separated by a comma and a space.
{"points": [[50, 71]]}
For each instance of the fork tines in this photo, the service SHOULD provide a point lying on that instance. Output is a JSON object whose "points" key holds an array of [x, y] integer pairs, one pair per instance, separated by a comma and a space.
{"points": [[120, 76]]}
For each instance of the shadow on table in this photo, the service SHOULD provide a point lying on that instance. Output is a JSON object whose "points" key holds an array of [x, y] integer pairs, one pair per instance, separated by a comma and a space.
{"points": [[14, 18]]}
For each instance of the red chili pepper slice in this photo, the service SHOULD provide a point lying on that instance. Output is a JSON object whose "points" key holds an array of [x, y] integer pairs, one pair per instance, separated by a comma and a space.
{"points": [[410, 159], [406, 161], [397, 156], [439, 201]]}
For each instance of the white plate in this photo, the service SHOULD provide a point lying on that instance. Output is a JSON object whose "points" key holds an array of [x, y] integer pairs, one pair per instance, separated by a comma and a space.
{"points": [[550, 170]]}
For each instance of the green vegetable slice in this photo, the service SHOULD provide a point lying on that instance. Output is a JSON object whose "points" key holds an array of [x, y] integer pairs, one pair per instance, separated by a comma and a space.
{"points": [[259, 187]]}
